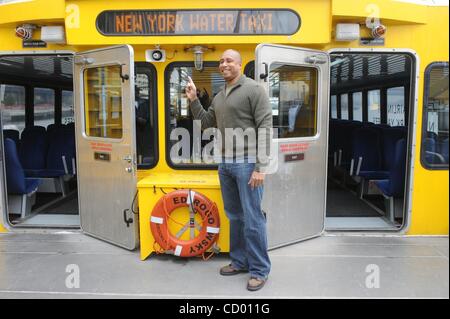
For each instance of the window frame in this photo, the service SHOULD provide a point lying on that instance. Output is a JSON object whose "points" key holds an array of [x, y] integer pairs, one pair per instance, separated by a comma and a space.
{"points": [[167, 70], [150, 70], [426, 95]]}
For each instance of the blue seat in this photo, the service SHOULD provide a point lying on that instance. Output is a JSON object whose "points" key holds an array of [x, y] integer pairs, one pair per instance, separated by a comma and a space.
{"points": [[390, 136], [393, 189], [344, 137], [61, 151], [367, 152], [433, 151], [395, 185], [444, 150], [12, 134], [33, 148], [17, 183]]}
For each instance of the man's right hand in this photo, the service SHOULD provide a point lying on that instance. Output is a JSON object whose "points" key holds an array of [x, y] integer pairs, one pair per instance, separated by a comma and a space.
{"points": [[191, 90]]}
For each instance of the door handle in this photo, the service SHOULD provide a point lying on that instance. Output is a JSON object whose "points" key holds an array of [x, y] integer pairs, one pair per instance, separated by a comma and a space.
{"points": [[263, 76], [316, 59], [128, 159]]}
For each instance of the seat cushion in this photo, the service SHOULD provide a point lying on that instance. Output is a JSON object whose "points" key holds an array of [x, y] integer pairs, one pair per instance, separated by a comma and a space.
{"points": [[384, 186], [31, 184], [44, 173], [375, 175]]}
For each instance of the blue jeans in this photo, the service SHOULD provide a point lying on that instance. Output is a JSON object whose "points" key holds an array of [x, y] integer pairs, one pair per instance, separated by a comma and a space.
{"points": [[248, 234]]}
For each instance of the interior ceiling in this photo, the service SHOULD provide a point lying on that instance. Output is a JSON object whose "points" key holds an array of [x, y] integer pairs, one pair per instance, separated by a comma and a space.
{"points": [[55, 68], [350, 67]]}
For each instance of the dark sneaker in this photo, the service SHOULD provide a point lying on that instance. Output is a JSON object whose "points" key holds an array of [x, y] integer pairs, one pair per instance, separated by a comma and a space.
{"points": [[230, 271], [255, 284]]}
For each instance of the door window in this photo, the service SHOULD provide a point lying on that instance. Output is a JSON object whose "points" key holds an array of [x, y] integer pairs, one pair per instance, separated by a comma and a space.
{"points": [[103, 100], [293, 94]]}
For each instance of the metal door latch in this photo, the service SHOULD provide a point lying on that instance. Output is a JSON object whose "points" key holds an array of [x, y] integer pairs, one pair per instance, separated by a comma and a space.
{"points": [[127, 221]]}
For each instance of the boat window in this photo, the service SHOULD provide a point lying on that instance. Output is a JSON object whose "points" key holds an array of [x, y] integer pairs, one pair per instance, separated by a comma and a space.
{"points": [[435, 127], [12, 105], [67, 113], [396, 106], [184, 150], [357, 106], [44, 106]]}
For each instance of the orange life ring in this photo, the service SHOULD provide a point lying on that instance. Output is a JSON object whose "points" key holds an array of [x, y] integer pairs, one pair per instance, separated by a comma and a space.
{"points": [[200, 204]]}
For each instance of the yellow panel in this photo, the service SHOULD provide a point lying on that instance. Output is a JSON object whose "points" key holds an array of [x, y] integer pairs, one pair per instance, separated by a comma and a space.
{"points": [[384, 9], [153, 187], [36, 10]]}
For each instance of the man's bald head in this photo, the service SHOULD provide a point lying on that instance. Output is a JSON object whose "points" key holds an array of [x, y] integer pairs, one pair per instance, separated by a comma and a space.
{"points": [[235, 54], [230, 65]]}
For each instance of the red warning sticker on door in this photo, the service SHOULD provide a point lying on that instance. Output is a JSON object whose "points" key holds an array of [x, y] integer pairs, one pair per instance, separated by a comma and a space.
{"points": [[294, 147], [104, 147]]}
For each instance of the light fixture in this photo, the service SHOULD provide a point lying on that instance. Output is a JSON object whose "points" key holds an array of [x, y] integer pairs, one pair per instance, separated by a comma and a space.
{"points": [[53, 34], [25, 31], [198, 55], [378, 31], [347, 31]]}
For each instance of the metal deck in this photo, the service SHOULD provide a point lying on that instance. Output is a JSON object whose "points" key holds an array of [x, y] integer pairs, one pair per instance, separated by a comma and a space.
{"points": [[34, 266]]}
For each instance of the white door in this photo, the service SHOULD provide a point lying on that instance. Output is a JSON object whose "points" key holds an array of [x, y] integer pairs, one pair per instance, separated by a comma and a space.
{"points": [[106, 154], [297, 81]]}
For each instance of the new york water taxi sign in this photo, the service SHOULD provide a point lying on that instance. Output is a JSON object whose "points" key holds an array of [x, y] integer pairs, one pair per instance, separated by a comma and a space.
{"points": [[198, 22]]}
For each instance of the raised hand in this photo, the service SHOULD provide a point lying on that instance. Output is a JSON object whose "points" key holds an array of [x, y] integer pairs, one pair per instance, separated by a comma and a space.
{"points": [[191, 90]]}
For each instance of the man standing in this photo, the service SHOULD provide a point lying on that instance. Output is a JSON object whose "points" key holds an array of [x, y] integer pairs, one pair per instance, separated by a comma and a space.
{"points": [[242, 104]]}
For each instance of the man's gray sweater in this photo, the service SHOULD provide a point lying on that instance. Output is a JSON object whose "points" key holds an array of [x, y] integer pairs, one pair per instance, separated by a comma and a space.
{"points": [[245, 107]]}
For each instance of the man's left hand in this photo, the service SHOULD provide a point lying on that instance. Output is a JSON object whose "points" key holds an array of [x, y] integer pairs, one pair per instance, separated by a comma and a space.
{"points": [[256, 180]]}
